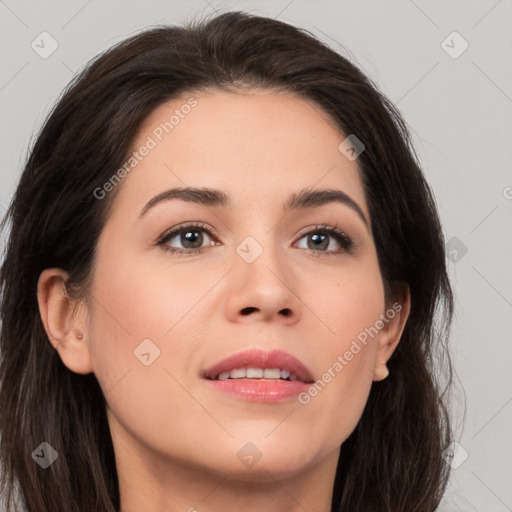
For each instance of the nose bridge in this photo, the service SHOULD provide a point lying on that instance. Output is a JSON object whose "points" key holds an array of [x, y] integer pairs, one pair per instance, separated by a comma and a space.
{"points": [[260, 244], [260, 260], [261, 278]]}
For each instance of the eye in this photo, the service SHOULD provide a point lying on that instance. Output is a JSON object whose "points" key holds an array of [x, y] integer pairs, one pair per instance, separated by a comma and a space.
{"points": [[192, 237], [324, 239]]}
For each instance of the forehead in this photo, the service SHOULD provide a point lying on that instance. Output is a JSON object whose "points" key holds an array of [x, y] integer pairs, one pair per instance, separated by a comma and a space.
{"points": [[259, 144]]}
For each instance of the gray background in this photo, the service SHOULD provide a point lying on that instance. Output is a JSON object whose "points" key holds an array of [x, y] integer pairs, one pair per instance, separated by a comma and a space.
{"points": [[460, 111]]}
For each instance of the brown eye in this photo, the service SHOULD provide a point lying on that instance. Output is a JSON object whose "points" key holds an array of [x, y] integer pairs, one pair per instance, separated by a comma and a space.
{"points": [[189, 239]]}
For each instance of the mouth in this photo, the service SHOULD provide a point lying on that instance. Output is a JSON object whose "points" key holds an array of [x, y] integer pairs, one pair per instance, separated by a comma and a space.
{"points": [[259, 364], [261, 376]]}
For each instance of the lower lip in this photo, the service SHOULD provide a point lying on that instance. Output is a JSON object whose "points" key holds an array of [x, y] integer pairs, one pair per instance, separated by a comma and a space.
{"points": [[260, 390]]}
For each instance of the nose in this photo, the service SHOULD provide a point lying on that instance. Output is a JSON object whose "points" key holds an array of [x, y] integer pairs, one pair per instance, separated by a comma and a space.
{"points": [[262, 290]]}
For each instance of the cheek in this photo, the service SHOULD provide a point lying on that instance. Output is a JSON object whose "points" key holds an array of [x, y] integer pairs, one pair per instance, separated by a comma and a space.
{"points": [[351, 307], [345, 301], [141, 309], [141, 300]]}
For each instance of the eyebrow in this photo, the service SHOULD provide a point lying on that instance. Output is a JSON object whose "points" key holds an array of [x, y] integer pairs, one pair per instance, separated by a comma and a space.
{"points": [[209, 197]]}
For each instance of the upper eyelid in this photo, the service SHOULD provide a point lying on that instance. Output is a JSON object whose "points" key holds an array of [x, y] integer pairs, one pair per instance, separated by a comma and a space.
{"points": [[199, 225]]}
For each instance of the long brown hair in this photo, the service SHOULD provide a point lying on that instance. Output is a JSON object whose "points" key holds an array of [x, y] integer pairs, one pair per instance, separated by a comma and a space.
{"points": [[392, 462]]}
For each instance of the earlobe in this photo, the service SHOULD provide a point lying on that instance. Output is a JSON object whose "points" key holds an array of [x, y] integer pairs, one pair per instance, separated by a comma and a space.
{"points": [[65, 325], [396, 317], [381, 371]]}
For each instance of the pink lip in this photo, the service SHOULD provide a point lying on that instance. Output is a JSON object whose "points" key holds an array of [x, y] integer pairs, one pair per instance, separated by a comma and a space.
{"points": [[262, 390]]}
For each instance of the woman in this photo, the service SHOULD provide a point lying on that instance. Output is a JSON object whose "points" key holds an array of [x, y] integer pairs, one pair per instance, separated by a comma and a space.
{"points": [[220, 286]]}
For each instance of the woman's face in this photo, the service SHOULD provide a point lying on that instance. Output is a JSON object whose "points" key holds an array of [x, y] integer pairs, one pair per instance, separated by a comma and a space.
{"points": [[267, 277]]}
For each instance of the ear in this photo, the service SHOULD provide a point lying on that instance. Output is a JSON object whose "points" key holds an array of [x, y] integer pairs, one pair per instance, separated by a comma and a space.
{"points": [[394, 322], [65, 321]]}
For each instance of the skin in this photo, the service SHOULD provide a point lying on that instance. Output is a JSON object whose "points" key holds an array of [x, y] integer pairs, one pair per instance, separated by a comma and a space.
{"points": [[176, 440]]}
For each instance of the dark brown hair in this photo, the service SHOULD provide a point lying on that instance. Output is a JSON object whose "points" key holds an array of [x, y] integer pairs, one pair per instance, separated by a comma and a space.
{"points": [[392, 460]]}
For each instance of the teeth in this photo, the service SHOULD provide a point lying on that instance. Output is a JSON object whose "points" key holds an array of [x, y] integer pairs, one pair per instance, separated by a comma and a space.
{"points": [[274, 373], [238, 373], [257, 373], [254, 373]]}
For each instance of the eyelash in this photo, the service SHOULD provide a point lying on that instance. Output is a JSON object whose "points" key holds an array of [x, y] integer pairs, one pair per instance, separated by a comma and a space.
{"points": [[340, 236]]}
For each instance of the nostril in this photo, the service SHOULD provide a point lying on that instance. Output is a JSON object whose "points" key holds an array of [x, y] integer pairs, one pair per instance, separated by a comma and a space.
{"points": [[286, 312], [247, 311]]}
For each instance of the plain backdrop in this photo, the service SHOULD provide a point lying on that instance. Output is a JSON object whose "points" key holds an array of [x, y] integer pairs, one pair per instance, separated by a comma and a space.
{"points": [[447, 66]]}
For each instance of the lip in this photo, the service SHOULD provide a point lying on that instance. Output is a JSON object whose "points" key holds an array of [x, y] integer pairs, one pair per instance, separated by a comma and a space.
{"points": [[261, 390]]}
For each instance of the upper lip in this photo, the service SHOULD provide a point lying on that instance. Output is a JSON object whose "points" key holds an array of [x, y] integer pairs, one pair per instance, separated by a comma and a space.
{"points": [[255, 358]]}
